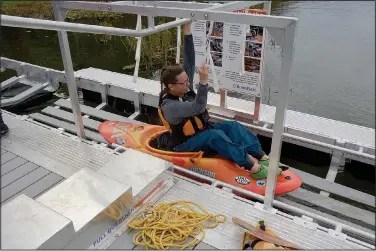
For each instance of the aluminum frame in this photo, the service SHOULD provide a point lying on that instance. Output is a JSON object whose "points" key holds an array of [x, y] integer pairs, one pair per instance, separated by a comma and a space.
{"points": [[217, 14], [280, 114], [285, 25], [69, 74], [33, 23]]}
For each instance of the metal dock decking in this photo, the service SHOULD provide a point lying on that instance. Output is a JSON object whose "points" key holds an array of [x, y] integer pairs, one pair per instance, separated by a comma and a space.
{"points": [[50, 149], [348, 214]]}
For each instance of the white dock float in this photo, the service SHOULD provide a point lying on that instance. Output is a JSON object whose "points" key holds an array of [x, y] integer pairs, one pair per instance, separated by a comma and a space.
{"points": [[146, 92]]}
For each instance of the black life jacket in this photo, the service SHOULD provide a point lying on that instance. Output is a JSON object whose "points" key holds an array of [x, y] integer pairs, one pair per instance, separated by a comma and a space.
{"points": [[187, 128]]}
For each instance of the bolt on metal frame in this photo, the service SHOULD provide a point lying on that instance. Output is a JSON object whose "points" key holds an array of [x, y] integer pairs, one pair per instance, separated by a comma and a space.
{"points": [[281, 28]]}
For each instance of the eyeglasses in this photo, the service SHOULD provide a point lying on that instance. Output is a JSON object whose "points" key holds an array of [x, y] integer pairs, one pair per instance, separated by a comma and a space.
{"points": [[184, 83]]}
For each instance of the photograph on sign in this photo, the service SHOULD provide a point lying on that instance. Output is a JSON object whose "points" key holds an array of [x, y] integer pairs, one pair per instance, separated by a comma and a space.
{"points": [[253, 50], [216, 45], [217, 59], [217, 29], [255, 34], [252, 65]]}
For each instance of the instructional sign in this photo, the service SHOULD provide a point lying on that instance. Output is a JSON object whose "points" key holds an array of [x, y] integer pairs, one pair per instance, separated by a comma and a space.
{"points": [[237, 51]]}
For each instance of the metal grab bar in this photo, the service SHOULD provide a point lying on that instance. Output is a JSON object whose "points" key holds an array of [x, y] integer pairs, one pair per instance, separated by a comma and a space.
{"points": [[309, 141], [33, 23]]}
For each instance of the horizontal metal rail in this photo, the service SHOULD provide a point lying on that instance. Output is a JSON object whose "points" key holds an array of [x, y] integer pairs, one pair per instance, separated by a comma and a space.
{"points": [[204, 14], [309, 141], [167, 4], [229, 5], [33, 23]]}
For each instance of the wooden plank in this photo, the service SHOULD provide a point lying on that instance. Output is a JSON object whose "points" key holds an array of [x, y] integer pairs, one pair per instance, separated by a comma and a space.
{"points": [[57, 113], [331, 187], [23, 183], [96, 113], [12, 164], [334, 205], [39, 187], [43, 185], [328, 216], [7, 157], [67, 126], [17, 173]]}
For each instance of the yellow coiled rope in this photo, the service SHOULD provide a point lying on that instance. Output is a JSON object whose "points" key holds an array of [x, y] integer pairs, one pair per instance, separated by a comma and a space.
{"points": [[173, 224]]}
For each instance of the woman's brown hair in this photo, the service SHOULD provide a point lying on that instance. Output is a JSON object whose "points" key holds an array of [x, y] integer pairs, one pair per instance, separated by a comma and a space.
{"points": [[168, 76]]}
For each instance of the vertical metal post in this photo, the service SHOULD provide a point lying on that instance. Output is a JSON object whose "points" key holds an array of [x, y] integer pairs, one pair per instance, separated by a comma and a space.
{"points": [[69, 73], [223, 98], [256, 112], [138, 50], [151, 22], [279, 121], [178, 43], [336, 162], [258, 100]]}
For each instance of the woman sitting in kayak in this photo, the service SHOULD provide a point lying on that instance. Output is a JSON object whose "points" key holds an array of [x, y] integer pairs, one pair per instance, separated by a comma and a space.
{"points": [[184, 114]]}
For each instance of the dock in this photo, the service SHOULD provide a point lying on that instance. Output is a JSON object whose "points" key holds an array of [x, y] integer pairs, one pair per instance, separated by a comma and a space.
{"points": [[58, 171], [38, 158]]}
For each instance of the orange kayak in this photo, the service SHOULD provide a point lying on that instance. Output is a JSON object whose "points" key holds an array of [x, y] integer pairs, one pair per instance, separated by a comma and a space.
{"points": [[140, 136]]}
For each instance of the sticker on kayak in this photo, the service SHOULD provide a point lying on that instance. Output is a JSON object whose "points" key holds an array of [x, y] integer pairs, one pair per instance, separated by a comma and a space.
{"points": [[120, 141], [120, 130], [242, 180], [203, 172], [260, 183]]}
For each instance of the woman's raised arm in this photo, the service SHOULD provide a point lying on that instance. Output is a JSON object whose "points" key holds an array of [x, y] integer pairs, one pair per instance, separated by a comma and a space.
{"points": [[189, 54]]}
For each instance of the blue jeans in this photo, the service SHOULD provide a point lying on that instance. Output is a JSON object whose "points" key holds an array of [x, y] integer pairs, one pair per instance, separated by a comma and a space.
{"points": [[229, 139]]}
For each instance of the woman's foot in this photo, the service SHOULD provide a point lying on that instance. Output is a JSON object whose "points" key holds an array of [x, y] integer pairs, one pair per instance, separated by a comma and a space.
{"points": [[265, 157], [260, 170]]}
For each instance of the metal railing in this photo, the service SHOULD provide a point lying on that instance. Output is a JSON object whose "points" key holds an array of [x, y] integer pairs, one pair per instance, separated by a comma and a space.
{"points": [[282, 29]]}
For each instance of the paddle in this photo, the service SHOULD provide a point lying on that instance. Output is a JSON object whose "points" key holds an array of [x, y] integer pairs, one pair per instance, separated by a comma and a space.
{"points": [[263, 235]]}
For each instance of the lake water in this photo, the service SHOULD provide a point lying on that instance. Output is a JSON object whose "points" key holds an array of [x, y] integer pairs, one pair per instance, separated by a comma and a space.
{"points": [[333, 73], [332, 76], [333, 70]]}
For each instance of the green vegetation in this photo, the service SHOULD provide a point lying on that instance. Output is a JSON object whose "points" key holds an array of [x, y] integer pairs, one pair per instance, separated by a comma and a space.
{"points": [[156, 50], [43, 10]]}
